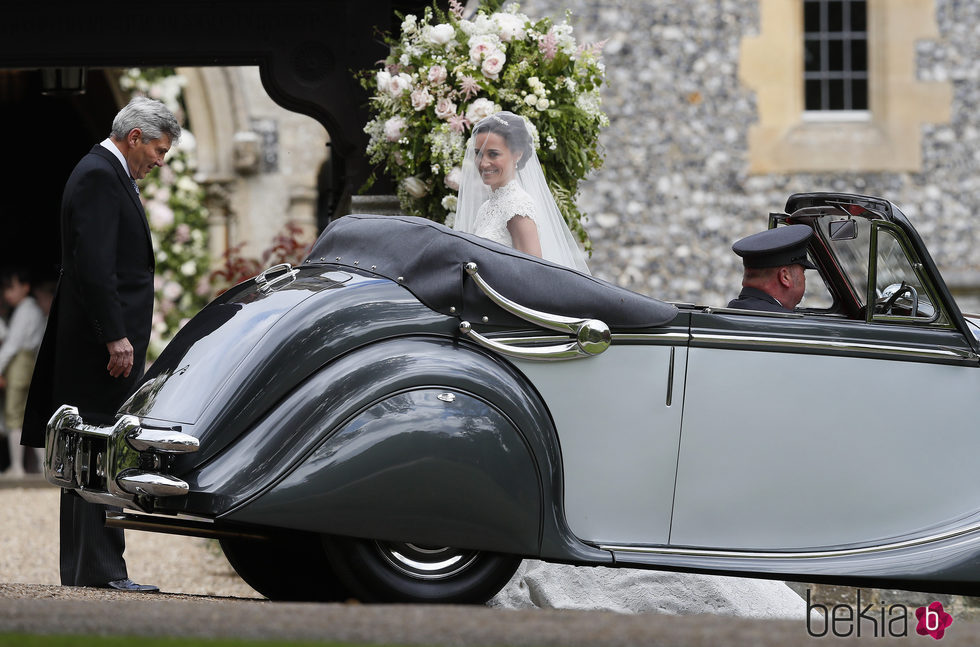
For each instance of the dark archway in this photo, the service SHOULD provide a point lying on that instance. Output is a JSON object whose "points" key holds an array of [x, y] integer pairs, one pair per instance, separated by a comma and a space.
{"points": [[306, 51], [46, 136]]}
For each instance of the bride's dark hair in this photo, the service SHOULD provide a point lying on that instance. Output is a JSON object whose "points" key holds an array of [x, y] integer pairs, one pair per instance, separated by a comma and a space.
{"points": [[512, 128]]}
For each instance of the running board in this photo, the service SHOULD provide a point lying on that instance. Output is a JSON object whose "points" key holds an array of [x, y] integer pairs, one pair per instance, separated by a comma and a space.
{"points": [[181, 526]]}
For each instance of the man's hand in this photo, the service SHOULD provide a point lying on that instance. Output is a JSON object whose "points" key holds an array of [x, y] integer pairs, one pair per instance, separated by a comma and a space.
{"points": [[120, 357]]}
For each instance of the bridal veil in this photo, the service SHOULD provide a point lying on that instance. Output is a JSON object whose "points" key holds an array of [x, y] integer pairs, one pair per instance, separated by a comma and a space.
{"points": [[558, 245]]}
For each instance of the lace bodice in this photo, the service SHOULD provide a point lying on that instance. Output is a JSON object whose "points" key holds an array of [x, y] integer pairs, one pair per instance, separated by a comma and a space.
{"points": [[504, 203]]}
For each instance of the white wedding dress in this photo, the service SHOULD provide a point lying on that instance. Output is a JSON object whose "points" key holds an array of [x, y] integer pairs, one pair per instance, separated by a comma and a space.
{"points": [[503, 204]]}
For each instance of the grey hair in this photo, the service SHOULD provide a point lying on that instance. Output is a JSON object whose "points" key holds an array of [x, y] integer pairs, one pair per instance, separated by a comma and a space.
{"points": [[150, 116]]}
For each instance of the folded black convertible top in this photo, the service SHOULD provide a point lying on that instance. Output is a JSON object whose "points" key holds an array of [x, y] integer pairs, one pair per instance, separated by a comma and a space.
{"points": [[428, 259]]}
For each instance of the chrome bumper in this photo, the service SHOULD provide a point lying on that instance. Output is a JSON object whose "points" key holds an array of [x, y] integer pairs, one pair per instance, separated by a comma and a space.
{"points": [[121, 465]]}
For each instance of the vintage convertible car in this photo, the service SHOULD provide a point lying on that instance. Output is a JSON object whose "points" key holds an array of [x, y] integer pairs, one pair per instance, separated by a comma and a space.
{"points": [[413, 410]]}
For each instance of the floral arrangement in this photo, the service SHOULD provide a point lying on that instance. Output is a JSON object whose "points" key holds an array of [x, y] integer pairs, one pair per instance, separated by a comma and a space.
{"points": [[445, 73], [174, 204]]}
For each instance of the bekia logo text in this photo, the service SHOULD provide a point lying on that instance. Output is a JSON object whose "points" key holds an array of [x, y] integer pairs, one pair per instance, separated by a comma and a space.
{"points": [[891, 620]]}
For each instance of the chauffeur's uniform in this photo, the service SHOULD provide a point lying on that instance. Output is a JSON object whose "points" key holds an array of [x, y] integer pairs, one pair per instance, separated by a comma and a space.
{"points": [[771, 248], [756, 299], [105, 293]]}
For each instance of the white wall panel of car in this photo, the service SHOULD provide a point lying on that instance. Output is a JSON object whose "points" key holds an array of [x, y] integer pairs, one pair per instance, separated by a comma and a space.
{"points": [[618, 439], [794, 451]]}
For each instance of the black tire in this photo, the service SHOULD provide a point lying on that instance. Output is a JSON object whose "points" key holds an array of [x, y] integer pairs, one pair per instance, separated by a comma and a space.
{"points": [[291, 567], [378, 571]]}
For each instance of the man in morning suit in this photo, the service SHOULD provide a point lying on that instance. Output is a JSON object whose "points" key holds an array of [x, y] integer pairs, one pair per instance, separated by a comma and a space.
{"points": [[774, 261], [94, 346]]}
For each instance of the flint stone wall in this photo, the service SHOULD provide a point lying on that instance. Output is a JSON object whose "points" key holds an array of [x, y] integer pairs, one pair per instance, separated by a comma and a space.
{"points": [[674, 191]]}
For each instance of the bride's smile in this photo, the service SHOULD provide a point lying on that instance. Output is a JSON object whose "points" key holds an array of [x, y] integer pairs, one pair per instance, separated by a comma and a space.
{"points": [[496, 161]]}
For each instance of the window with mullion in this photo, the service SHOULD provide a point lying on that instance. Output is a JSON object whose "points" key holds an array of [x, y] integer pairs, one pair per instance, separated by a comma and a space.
{"points": [[835, 61]]}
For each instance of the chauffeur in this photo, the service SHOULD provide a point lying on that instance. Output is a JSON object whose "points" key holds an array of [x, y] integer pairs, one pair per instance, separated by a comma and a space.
{"points": [[774, 262]]}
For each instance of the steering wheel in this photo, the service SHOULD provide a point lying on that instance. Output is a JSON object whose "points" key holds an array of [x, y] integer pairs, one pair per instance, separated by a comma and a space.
{"points": [[897, 290]]}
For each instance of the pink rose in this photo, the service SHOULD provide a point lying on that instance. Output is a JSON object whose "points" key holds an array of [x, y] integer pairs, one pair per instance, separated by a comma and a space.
{"points": [[445, 108], [453, 177], [161, 216], [421, 98], [394, 128], [493, 63], [480, 46], [437, 75], [399, 84], [481, 108]]}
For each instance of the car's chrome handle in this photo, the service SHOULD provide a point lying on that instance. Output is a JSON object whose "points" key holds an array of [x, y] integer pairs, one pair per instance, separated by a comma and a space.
{"points": [[265, 283], [591, 336]]}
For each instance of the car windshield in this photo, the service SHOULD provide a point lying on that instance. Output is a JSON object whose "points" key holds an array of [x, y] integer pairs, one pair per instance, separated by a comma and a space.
{"points": [[852, 254]]}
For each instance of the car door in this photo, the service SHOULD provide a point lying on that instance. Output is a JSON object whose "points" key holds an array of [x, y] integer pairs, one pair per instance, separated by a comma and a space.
{"points": [[804, 432], [618, 420]]}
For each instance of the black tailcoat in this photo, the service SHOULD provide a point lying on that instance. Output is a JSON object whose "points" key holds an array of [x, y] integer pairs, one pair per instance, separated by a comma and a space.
{"points": [[105, 293]]}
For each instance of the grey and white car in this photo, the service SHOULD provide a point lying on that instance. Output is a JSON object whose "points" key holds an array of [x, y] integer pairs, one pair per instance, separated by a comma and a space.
{"points": [[413, 410]]}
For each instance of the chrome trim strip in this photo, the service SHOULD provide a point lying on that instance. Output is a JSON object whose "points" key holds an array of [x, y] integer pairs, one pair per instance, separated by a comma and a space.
{"points": [[748, 554], [616, 337], [937, 352], [681, 337]]}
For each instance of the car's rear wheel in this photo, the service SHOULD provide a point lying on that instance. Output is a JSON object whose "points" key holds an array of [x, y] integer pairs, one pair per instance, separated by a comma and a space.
{"points": [[289, 567], [379, 571]]}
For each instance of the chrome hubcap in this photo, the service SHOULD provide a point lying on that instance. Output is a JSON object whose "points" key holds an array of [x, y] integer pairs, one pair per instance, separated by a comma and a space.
{"points": [[426, 562]]}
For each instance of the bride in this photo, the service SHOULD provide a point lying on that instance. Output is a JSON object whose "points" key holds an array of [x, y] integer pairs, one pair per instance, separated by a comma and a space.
{"points": [[503, 195]]}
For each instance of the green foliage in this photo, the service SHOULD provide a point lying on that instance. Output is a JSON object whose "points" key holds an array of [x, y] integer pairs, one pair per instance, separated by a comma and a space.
{"points": [[445, 73]]}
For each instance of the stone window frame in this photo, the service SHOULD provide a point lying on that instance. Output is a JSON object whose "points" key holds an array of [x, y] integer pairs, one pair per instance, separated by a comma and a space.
{"points": [[885, 138]]}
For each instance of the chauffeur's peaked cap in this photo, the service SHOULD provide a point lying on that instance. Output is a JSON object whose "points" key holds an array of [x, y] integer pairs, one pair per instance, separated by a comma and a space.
{"points": [[776, 247]]}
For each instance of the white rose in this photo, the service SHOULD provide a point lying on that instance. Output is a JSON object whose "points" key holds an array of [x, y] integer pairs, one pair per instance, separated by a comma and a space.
{"points": [[449, 203], [542, 104], [493, 63], [437, 74], [440, 34], [531, 99], [393, 128], [453, 177], [445, 108], [510, 26], [172, 290], [188, 268], [384, 81], [415, 187], [479, 109], [399, 84], [482, 45], [421, 98], [161, 216]]}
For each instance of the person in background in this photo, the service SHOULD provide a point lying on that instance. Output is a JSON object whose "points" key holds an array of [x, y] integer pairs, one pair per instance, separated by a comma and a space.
{"points": [[17, 353]]}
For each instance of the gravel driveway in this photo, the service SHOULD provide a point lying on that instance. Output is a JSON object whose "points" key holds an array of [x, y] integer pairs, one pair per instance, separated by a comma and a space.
{"points": [[203, 597]]}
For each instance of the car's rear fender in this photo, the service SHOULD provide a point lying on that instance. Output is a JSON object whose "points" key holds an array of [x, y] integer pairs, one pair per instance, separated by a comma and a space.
{"points": [[409, 439]]}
